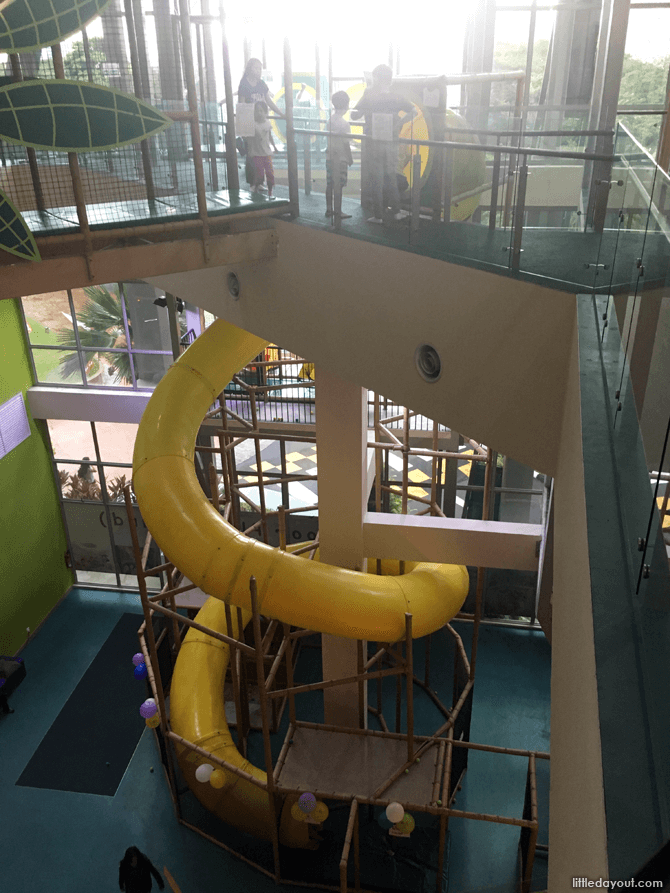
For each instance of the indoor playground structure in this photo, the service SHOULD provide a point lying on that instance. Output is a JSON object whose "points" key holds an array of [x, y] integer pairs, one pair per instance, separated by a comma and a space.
{"points": [[266, 604]]}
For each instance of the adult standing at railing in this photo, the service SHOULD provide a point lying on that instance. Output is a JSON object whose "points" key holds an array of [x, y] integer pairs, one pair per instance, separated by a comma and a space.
{"points": [[382, 108], [253, 89]]}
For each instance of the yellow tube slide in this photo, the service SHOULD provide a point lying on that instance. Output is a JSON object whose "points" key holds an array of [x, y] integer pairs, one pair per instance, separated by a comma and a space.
{"points": [[220, 560]]}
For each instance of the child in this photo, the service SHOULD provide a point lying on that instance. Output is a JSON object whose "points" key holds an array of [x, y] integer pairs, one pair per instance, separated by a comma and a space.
{"points": [[339, 155], [260, 149]]}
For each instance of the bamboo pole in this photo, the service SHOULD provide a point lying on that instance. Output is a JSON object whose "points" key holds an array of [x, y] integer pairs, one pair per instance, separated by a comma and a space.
{"points": [[379, 699], [399, 491], [262, 697], [145, 551], [212, 758], [227, 848], [269, 635], [282, 528], [283, 753], [415, 807], [445, 711], [444, 800], [151, 640], [214, 486], [235, 683], [344, 861], [489, 477], [225, 471], [281, 651], [532, 841], [410, 690], [361, 684], [289, 674], [242, 675], [373, 660], [419, 451], [318, 686], [439, 766], [380, 717], [204, 629], [398, 704], [259, 465], [460, 646]]}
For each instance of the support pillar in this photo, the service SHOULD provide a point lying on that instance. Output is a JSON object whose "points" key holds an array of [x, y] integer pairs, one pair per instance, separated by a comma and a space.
{"points": [[341, 437]]}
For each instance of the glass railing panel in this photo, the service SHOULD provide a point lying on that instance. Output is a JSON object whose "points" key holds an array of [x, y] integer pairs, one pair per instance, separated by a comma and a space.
{"points": [[552, 243], [465, 207]]}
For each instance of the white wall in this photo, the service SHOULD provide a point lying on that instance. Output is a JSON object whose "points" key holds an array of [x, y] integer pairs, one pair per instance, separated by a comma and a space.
{"points": [[360, 310], [577, 832]]}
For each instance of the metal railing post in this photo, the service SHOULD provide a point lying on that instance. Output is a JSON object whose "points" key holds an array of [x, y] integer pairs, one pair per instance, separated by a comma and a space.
{"points": [[307, 163], [448, 183], [291, 150], [519, 212], [495, 180], [231, 148]]}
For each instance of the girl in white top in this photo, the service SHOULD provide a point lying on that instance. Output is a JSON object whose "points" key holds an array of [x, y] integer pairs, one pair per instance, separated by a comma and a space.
{"points": [[261, 145]]}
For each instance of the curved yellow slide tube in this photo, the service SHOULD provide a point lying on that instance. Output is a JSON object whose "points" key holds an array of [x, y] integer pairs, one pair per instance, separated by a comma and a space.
{"points": [[220, 561]]}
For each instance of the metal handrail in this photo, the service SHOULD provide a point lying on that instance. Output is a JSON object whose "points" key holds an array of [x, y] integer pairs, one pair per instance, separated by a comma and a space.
{"points": [[480, 147], [643, 150]]}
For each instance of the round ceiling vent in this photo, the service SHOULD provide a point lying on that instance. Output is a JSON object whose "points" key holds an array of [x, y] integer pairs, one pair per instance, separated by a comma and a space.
{"points": [[234, 285], [428, 363]]}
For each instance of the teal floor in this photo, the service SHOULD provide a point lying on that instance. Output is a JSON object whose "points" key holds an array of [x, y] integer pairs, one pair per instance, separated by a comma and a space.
{"points": [[170, 208], [568, 260], [58, 841], [553, 257]]}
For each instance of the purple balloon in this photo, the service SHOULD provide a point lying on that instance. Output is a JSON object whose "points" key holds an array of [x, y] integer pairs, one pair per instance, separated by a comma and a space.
{"points": [[138, 659], [148, 709], [140, 671], [307, 802]]}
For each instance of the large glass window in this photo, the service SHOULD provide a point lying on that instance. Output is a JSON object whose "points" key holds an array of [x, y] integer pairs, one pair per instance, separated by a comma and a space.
{"points": [[114, 335], [645, 73], [93, 465]]}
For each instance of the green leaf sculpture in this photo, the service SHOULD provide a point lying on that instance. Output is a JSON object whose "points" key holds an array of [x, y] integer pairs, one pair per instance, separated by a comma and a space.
{"points": [[74, 116], [15, 237], [27, 25], [60, 115]]}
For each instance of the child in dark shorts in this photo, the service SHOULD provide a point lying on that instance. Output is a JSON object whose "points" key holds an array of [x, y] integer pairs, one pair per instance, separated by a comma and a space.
{"points": [[339, 156]]}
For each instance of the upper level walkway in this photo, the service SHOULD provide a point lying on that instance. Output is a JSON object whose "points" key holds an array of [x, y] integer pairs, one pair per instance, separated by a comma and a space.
{"points": [[519, 190]]}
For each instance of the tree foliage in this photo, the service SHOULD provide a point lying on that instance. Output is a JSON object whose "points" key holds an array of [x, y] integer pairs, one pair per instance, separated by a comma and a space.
{"points": [[644, 83], [74, 63], [100, 326]]}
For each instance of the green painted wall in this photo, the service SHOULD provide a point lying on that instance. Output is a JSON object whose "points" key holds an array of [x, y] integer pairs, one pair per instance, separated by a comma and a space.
{"points": [[32, 536]]}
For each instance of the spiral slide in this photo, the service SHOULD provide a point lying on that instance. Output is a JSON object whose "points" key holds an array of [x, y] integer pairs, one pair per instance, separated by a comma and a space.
{"points": [[220, 560]]}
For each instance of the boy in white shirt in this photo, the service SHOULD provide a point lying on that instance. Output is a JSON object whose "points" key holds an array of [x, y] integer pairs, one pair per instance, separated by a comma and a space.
{"points": [[339, 155], [260, 149]]}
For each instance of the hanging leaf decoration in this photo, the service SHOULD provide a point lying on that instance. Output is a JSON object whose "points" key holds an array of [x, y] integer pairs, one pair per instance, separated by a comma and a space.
{"points": [[27, 25], [74, 116], [15, 237]]}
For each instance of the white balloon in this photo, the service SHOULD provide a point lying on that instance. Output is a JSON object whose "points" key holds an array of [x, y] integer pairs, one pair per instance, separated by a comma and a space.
{"points": [[203, 772], [395, 813]]}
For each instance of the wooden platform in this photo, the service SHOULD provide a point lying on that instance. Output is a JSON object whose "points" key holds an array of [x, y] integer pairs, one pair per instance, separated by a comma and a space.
{"points": [[343, 762]]}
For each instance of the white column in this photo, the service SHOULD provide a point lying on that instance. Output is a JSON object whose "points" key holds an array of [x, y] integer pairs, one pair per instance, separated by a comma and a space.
{"points": [[341, 435]]}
